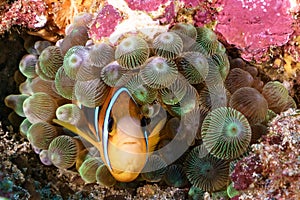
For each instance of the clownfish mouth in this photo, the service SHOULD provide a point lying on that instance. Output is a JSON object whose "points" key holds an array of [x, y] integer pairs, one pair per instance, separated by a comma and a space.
{"points": [[130, 145]]}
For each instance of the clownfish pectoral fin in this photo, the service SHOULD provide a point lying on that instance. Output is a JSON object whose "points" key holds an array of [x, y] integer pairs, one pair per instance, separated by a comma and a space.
{"points": [[84, 134], [91, 116]]}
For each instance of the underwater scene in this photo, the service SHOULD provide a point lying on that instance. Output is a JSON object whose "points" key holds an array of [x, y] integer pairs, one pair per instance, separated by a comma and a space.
{"points": [[139, 99]]}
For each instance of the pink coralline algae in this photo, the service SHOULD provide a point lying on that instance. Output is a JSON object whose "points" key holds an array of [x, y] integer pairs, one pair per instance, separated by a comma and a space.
{"points": [[206, 13], [192, 3], [255, 25], [272, 170], [104, 24], [26, 13], [168, 15], [244, 171], [145, 5]]}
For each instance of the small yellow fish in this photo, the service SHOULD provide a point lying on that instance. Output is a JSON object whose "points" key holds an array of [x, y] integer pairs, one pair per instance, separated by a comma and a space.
{"points": [[121, 134]]}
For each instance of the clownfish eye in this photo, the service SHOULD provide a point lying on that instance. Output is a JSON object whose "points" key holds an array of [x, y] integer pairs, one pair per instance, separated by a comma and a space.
{"points": [[110, 124], [145, 121]]}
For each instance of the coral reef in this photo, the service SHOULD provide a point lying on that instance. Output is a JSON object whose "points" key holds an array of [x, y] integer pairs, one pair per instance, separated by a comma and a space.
{"points": [[252, 28], [150, 68], [272, 169], [178, 87], [106, 21], [27, 13]]}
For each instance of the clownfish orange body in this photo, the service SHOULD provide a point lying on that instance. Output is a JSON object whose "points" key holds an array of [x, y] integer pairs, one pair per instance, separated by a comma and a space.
{"points": [[121, 134]]}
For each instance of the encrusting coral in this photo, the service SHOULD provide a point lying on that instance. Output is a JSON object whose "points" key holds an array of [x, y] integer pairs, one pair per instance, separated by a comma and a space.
{"points": [[183, 71], [272, 169]]}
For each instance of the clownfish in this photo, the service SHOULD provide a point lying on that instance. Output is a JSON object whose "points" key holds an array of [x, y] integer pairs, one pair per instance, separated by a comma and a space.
{"points": [[121, 134]]}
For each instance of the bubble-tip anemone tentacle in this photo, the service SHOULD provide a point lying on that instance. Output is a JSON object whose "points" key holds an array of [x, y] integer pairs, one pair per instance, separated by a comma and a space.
{"points": [[132, 52], [206, 171], [226, 133]]}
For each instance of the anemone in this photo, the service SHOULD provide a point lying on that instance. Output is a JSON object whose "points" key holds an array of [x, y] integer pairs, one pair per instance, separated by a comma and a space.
{"points": [[15, 102], [104, 177], [154, 168], [19, 77], [205, 171], [63, 151], [14, 119], [64, 84], [166, 149], [231, 191], [214, 96], [82, 19], [218, 69], [251, 70], [123, 80], [40, 73], [195, 193], [226, 133], [238, 78], [221, 49], [290, 103], [187, 32], [25, 88], [207, 39], [194, 66], [75, 60], [44, 158], [112, 73], [40, 107], [258, 84], [175, 176], [88, 169], [269, 116], [191, 124], [142, 93], [24, 126], [237, 63], [27, 65], [70, 113], [132, 52], [167, 45], [77, 37], [276, 95], [40, 45], [172, 127], [175, 92], [88, 72], [250, 103], [39, 85], [50, 60], [41, 134], [189, 102], [221, 194], [186, 29], [91, 93], [158, 72], [101, 54]]}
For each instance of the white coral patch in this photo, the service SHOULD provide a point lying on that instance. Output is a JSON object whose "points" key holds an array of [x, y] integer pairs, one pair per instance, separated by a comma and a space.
{"points": [[41, 21], [136, 21]]}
